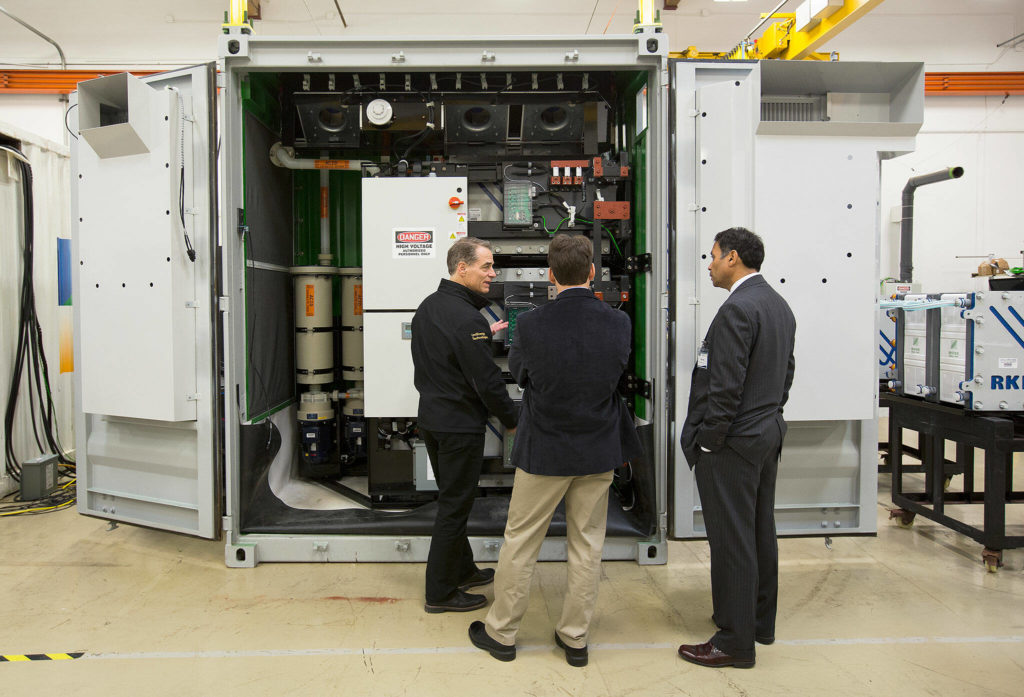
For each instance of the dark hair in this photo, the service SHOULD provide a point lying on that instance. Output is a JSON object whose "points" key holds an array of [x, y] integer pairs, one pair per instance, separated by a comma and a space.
{"points": [[748, 246], [570, 257], [464, 250]]}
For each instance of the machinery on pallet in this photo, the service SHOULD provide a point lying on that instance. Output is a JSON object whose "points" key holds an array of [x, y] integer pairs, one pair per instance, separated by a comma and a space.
{"points": [[253, 261], [960, 378]]}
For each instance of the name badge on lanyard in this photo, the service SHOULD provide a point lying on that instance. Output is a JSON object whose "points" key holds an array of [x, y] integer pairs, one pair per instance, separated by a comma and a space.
{"points": [[702, 355]]}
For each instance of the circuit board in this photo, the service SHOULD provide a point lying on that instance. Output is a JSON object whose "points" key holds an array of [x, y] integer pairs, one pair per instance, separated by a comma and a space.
{"points": [[518, 204]]}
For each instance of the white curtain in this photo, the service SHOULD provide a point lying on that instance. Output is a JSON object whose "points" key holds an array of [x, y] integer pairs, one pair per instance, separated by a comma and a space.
{"points": [[51, 188]]}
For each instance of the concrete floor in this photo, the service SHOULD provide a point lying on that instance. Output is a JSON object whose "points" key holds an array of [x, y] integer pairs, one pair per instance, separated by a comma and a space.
{"points": [[909, 612]]}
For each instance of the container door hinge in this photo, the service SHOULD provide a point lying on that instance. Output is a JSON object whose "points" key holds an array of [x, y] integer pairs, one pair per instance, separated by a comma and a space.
{"points": [[192, 397], [638, 264], [222, 303], [192, 304]]}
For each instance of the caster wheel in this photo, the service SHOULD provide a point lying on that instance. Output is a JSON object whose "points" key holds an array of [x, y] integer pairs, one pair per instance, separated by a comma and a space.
{"points": [[904, 518], [993, 559]]}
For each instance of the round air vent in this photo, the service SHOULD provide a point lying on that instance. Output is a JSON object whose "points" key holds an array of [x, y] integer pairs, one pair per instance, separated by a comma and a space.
{"points": [[554, 118], [332, 119], [476, 118]]}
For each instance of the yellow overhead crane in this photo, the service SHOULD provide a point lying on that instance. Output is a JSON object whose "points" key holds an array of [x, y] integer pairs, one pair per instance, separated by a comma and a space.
{"points": [[792, 35]]}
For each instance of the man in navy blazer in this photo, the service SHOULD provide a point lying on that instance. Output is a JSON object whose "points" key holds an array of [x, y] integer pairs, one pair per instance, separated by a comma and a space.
{"points": [[732, 439], [574, 430]]}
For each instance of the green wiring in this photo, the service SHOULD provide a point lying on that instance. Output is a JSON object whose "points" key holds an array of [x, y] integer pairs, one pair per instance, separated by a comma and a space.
{"points": [[584, 220]]}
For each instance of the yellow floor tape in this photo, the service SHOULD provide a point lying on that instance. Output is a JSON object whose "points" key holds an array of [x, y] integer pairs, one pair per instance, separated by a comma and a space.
{"points": [[15, 658]]}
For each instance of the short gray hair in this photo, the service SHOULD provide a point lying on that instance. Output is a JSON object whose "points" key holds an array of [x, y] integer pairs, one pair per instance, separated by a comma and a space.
{"points": [[464, 250]]}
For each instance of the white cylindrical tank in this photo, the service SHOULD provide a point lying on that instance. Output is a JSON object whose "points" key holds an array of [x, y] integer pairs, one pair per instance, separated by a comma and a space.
{"points": [[352, 323], [314, 325]]}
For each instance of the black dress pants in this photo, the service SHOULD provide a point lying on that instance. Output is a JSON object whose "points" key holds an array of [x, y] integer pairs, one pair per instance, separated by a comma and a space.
{"points": [[738, 502], [456, 459]]}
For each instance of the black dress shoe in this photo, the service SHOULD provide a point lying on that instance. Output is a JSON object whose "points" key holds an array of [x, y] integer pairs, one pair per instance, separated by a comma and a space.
{"points": [[460, 602], [480, 578], [766, 640], [482, 640], [707, 654], [574, 657]]}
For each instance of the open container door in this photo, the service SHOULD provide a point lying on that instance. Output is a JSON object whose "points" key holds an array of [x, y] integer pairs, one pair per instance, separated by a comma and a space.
{"points": [[791, 150], [147, 396]]}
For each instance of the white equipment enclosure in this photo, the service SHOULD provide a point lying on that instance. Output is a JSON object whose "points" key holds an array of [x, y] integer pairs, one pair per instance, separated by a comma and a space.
{"points": [[254, 240]]}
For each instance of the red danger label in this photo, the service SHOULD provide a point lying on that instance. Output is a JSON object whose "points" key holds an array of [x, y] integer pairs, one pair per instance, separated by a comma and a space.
{"points": [[413, 236]]}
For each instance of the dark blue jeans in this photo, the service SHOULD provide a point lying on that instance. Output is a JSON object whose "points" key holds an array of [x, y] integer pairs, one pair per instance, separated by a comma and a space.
{"points": [[456, 459]]}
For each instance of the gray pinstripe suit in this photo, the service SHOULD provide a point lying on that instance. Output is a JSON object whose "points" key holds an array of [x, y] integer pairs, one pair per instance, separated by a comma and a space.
{"points": [[735, 412]]}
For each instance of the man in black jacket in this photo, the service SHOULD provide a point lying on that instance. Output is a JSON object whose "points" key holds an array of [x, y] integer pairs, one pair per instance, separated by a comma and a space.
{"points": [[459, 384], [732, 438], [574, 430]]}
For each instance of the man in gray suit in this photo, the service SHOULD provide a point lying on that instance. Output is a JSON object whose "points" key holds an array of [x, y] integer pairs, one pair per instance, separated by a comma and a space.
{"points": [[574, 430], [732, 438]]}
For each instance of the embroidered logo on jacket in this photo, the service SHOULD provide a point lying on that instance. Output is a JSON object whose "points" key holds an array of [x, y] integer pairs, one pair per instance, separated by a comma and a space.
{"points": [[478, 336]]}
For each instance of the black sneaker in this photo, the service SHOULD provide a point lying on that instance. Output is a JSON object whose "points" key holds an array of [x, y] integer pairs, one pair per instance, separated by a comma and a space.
{"points": [[460, 602], [480, 578], [482, 640], [574, 657], [766, 640]]}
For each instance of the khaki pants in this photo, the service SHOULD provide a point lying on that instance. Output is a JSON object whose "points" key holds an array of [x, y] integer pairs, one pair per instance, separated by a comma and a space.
{"points": [[534, 498]]}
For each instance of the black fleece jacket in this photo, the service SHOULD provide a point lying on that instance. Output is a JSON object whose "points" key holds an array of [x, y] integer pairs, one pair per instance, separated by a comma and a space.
{"points": [[455, 372]]}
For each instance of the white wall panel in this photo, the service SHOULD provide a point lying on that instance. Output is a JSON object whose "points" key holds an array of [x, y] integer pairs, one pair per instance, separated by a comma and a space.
{"points": [[975, 215]]}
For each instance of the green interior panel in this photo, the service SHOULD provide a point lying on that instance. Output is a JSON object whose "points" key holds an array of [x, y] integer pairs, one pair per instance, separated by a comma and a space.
{"points": [[637, 146]]}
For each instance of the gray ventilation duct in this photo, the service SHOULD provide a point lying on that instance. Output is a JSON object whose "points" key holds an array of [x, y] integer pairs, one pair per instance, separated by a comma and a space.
{"points": [[907, 223]]}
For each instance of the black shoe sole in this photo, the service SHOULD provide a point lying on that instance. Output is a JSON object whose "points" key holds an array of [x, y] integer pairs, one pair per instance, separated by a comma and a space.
{"points": [[734, 664], [437, 609], [575, 661], [766, 640], [502, 654]]}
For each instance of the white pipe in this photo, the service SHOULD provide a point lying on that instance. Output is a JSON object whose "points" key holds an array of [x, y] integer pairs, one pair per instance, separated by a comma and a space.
{"points": [[285, 157], [352, 393], [44, 37]]}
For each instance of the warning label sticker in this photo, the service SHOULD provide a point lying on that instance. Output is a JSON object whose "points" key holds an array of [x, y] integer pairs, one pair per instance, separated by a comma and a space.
{"points": [[413, 242], [310, 301]]}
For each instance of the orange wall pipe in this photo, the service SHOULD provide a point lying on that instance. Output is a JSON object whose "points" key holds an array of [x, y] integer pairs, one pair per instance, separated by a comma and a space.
{"points": [[978, 84], [52, 81]]}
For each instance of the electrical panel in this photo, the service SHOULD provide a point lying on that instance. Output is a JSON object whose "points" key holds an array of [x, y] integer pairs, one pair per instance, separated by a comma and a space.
{"points": [[512, 159]]}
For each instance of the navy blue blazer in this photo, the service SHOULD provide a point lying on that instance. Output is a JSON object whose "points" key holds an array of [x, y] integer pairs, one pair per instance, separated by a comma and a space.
{"points": [[737, 399], [569, 355]]}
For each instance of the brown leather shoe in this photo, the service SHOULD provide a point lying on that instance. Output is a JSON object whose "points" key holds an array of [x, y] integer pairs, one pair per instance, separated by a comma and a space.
{"points": [[707, 654]]}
